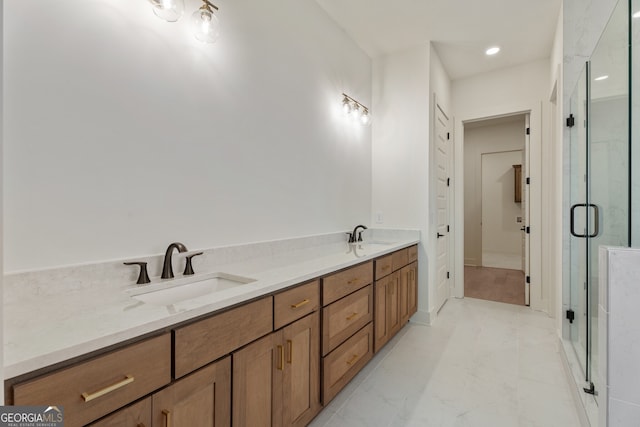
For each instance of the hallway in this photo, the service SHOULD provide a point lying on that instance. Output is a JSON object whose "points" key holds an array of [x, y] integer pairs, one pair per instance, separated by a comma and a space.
{"points": [[481, 364]]}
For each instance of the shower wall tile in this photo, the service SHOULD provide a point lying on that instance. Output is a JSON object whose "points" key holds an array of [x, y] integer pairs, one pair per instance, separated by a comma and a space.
{"points": [[620, 365], [623, 413]]}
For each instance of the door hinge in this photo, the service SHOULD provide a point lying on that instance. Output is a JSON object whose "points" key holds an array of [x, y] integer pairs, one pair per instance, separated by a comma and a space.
{"points": [[590, 390], [448, 136], [528, 230], [528, 131], [528, 279], [571, 315], [448, 182], [571, 121], [528, 180], [448, 275]]}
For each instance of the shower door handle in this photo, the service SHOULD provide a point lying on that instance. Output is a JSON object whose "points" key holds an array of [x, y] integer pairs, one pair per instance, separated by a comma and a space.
{"points": [[572, 220], [596, 220]]}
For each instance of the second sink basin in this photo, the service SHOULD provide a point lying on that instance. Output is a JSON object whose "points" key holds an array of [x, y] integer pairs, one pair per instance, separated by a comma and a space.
{"points": [[183, 289]]}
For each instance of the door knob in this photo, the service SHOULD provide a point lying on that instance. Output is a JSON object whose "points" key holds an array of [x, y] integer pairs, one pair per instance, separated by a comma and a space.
{"points": [[440, 235]]}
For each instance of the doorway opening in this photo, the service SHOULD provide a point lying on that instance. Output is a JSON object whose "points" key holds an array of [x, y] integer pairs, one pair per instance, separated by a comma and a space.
{"points": [[496, 209]]}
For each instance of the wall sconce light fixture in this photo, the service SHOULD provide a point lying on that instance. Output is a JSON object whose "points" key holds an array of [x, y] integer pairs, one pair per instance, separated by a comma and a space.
{"points": [[355, 109], [205, 23], [169, 10]]}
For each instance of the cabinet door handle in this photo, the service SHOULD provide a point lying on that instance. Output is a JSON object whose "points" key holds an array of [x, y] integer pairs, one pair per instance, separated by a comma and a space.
{"points": [[300, 304], [352, 360], [290, 348], [88, 397], [352, 315], [167, 417], [280, 358]]}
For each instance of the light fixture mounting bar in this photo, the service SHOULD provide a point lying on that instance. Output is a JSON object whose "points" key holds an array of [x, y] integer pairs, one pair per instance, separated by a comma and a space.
{"points": [[211, 4], [354, 101]]}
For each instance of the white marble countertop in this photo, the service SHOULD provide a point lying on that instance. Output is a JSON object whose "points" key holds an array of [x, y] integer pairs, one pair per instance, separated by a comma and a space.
{"points": [[42, 330]]}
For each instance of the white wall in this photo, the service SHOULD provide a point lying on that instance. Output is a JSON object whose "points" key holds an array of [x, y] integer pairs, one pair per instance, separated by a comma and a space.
{"points": [[400, 178], [1, 201], [491, 136], [552, 174], [124, 133], [517, 89]]}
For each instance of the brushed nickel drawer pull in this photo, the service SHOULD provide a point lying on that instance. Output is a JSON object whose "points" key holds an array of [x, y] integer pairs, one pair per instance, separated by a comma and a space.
{"points": [[280, 358], [354, 314], [167, 417], [300, 304], [290, 345], [352, 360], [88, 397], [352, 281]]}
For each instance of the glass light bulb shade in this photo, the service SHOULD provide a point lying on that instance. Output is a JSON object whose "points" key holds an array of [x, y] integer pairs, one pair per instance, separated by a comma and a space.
{"points": [[355, 112], [206, 25], [365, 118], [169, 10], [346, 106]]}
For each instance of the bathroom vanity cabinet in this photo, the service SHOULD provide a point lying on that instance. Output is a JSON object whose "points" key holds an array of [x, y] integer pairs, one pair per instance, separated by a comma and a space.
{"points": [[271, 361]]}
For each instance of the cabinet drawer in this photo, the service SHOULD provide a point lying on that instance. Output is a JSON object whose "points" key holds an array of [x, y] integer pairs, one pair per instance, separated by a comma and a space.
{"points": [[384, 266], [345, 362], [343, 318], [207, 340], [295, 303], [92, 389], [412, 253], [400, 259], [346, 281], [136, 415]]}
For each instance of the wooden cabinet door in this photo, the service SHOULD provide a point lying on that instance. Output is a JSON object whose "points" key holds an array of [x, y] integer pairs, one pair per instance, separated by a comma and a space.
{"points": [[412, 293], [393, 304], [257, 383], [301, 375], [381, 334], [201, 399], [136, 415], [408, 292]]}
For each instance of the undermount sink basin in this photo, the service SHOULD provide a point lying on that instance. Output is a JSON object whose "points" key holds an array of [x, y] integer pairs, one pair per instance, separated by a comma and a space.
{"points": [[174, 291]]}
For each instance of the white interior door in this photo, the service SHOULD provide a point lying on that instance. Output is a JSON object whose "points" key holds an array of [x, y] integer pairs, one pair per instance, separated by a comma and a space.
{"points": [[442, 153]]}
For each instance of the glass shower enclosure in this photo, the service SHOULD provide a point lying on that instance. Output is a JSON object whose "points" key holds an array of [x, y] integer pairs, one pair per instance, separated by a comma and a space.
{"points": [[600, 176]]}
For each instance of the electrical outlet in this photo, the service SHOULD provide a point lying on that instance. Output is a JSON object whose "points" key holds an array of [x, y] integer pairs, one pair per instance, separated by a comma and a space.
{"points": [[379, 218]]}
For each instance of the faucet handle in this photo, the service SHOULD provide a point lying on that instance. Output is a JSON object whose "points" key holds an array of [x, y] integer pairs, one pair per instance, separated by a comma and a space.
{"points": [[188, 268], [143, 277], [351, 237], [360, 236]]}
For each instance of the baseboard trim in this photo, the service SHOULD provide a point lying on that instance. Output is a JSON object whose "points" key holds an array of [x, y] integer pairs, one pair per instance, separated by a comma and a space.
{"points": [[422, 318]]}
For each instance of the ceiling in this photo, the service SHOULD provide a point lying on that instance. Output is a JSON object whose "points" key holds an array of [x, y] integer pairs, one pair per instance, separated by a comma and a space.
{"points": [[461, 30]]}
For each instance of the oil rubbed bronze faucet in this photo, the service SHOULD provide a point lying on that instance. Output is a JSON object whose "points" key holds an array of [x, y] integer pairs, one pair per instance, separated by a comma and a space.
{"points": [[167, 268], [352, 236]]}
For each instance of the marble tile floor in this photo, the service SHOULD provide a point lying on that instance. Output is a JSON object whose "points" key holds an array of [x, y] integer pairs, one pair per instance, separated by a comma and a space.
{"points": [[482, 363]]}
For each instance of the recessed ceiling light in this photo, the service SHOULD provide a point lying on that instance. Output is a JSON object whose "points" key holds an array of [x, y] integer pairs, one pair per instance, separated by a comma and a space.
{"points": [[601, 78], [636, 15], [492, 50]]}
